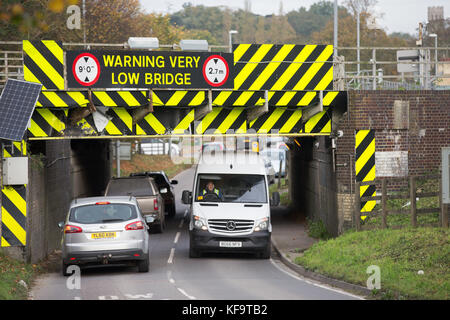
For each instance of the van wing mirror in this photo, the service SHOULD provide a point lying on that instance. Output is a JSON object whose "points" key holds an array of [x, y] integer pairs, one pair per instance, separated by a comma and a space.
{"points": [[174, 182], [275, 201], [186, 197]]}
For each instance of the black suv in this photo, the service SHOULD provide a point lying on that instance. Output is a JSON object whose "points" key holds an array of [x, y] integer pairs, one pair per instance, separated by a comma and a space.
{"points": [[162, 181]]}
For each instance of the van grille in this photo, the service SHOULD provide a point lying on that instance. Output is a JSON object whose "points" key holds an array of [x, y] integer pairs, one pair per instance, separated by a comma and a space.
{"points": [[226, 225]]}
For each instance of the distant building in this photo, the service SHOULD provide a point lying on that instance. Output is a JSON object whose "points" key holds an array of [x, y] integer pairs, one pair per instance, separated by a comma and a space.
{"points": [[435, 13]]}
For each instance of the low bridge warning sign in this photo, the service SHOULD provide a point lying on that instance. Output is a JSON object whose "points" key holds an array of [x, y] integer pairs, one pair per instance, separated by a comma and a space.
{"points": [[143, 69]]}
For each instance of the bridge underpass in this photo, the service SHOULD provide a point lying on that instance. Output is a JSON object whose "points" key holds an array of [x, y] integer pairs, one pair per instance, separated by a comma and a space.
{"points": [[68, 139]]}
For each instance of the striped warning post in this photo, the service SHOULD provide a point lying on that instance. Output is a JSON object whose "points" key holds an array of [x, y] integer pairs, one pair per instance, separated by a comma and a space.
{"points": [[365, 166], [14, 205]]}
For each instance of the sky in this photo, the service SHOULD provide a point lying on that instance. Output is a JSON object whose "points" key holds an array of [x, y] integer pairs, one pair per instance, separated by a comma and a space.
{"points": [[398, 15]]}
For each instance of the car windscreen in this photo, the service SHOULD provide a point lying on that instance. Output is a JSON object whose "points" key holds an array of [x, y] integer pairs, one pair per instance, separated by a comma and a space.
{"points": [[103, 213], [139, 187], [237, 188]]}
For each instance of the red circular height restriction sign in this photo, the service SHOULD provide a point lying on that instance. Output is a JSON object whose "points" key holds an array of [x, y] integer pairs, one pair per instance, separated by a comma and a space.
{"points": [[86, 69], [216, 70]]}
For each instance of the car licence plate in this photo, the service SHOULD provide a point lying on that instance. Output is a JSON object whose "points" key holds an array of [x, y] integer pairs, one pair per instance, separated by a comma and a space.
{"points": [[103, 235], [230, 244]]}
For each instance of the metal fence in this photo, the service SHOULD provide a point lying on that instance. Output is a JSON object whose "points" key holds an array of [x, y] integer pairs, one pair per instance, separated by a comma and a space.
{"points": [[379, 68]]}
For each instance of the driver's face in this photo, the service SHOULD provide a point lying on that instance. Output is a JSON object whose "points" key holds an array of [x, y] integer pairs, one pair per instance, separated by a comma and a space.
{"points": [[210, 186]]}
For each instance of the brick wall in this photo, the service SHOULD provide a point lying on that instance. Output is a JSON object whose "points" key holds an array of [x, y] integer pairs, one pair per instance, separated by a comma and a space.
{"points": [[410, 127]]}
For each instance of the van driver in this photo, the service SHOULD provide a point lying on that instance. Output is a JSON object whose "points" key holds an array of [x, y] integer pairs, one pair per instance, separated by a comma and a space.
{"points": [[211, 189]]}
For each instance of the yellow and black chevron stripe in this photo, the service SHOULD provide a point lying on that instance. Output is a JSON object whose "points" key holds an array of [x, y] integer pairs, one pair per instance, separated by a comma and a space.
{"points": [[279, 120], [131, 99], [43, 62], [285, 120], [15, 149], [365, 166], [14, 207], [14, 213], [283, 67]]}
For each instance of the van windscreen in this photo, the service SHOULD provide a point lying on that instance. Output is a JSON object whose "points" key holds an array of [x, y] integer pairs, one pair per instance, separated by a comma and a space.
{"points": [[237, 188], [137, 187]]}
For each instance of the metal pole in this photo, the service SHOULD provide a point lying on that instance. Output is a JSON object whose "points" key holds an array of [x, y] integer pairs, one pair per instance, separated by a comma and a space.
{"points": [[357, 45], [118, 157], [374, 69], [435, 57], [335, 36], [84, 22]]}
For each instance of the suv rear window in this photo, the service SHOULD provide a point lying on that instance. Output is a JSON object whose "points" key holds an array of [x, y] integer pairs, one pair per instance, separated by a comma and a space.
{"points": [[159, 179], [137, 187], [113, 212]]}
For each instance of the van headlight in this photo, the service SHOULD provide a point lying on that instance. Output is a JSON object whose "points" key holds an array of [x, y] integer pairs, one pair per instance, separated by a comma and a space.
{"points": [[262, 224], [200, 223]]}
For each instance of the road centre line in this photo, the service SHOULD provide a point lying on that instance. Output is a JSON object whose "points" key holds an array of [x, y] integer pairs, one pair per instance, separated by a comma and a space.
{"points": [[184, 293], [169, 277], [172, 253], [181, 224], [177, 236]]}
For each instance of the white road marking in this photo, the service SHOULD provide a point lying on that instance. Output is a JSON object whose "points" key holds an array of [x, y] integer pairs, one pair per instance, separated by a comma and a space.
{"points": [[169, 276], [172, 253], [109, 298], [290, 273], [139, 296], [177, 236], [184, 293]]}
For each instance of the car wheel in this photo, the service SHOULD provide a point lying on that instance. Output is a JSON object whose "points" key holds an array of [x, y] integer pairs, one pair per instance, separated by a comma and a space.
{"points": [[193, 253], [144, 265], [172, 211], [64, 270]]}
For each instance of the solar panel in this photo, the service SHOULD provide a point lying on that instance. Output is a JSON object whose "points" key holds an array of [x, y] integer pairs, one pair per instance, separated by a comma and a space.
{"points": [[17, 103]]}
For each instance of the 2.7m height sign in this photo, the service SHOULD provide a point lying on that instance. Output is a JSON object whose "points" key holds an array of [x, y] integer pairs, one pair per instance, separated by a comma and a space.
{"points": [[144, 69]]}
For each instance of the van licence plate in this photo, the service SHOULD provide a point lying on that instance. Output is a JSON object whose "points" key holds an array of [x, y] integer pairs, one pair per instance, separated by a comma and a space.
{"points": [[103, 235], [230, 244]]}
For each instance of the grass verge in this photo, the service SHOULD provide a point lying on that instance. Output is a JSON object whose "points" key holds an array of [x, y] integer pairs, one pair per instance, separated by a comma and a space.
{"points": [[142, 162], [400, 254], [283, 190], [11, 273]]}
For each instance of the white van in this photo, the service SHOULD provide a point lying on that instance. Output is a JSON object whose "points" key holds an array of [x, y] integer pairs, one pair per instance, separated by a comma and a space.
{"points": [[230, 205]]}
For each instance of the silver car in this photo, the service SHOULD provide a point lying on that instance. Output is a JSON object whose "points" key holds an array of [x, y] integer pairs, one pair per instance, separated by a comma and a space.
{"points": [[105, 230]]}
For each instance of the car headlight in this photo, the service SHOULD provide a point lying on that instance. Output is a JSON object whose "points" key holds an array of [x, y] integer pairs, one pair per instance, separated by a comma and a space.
{"points": [[262, 224], [200, 223]]}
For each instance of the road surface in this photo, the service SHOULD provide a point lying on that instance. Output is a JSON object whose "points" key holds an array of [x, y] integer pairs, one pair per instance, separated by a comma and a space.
{"points": [[173, 276]]}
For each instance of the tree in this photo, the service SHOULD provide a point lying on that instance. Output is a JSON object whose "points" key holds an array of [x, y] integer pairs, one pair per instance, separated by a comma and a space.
{"points": [[306, 21], [368, 38], [32, 19]]}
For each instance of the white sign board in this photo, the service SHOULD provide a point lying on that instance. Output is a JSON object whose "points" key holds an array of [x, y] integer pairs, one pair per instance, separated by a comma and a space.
{"points": [[408, 56]]}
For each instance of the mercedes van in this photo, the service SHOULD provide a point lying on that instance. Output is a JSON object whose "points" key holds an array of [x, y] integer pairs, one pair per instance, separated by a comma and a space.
{"points": [[230, 205]]}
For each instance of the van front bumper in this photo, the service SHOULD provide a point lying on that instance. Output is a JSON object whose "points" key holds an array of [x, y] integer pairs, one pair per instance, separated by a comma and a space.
{"points": [[206, 241]]}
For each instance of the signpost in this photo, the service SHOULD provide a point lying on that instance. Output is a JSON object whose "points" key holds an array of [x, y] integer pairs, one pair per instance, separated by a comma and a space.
{"points": [[149, 69]]}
